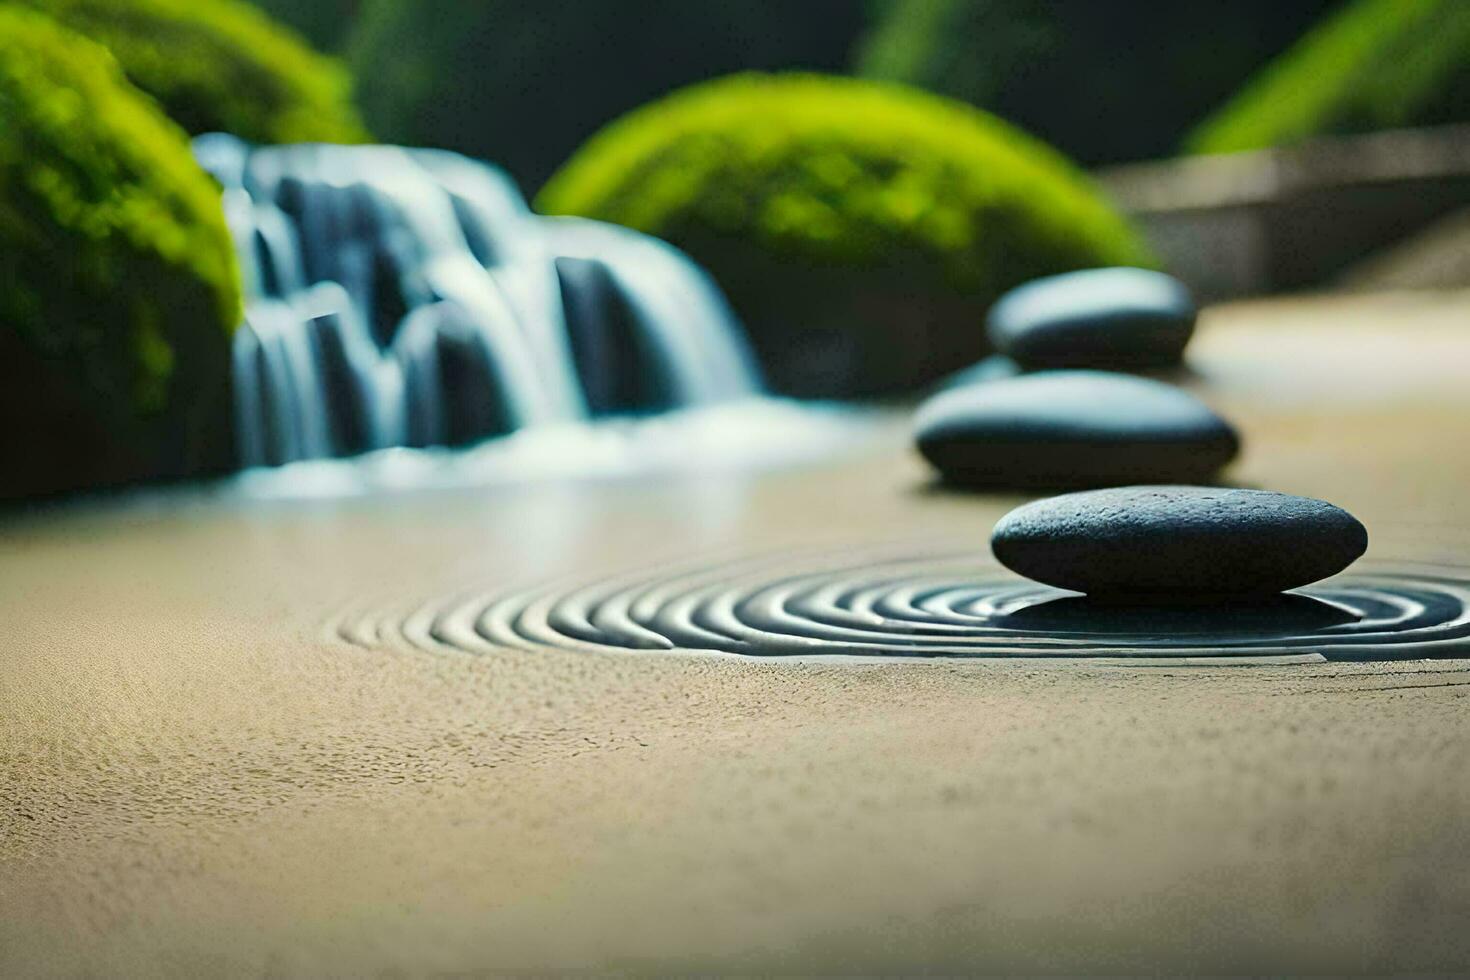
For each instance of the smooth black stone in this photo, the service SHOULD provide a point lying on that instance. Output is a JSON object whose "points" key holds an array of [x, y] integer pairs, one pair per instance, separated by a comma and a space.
{"points": [[1163, 543], [1102, 318], [348, 404], [453, 388], [996, 367], [472, 391], [1063, 429], [620, 371], [1275, 615]]}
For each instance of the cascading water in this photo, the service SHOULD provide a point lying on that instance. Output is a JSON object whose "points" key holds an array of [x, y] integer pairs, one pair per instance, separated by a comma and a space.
{"points": [[402, 297]]}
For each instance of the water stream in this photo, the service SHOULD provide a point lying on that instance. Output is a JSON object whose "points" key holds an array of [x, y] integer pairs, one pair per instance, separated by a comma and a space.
{"points": [[409, 298]]}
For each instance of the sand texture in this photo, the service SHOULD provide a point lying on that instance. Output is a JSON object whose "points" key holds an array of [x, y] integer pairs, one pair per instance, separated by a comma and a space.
{"points": [[199, 775]]}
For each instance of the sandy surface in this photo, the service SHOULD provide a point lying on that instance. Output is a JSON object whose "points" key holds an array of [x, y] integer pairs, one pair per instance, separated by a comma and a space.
{"points": [[195, 777]]}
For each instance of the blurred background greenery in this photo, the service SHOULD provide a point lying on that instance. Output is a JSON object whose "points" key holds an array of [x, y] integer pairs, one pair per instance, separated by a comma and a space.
{"points": [[929, 154], [1103, 80], [1371, 64]]}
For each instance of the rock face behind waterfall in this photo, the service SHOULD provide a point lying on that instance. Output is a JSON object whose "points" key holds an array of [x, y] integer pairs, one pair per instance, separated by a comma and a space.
{"points": [[409, 298]]}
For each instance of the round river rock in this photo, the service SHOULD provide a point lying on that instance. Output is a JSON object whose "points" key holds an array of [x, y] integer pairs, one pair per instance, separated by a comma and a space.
{"points": [[1143, 544], [1063, 429], [996, 367], [1105, 318]]}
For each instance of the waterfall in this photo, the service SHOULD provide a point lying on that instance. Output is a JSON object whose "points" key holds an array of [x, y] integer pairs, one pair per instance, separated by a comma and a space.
{"points": [[399, 297]]}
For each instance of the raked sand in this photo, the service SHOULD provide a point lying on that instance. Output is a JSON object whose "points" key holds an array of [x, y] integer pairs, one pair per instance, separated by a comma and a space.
{"points": [[197, 776]]}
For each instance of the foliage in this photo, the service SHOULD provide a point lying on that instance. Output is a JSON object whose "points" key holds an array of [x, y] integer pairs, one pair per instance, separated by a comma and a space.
{"points": [[893, 206], [524, 83], [1103, 81], [220, 65], [118, 285], [1375, 64]]}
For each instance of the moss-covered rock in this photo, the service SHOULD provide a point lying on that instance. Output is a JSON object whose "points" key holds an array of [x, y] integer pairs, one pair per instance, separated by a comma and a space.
{"points": [[220, 65], [860, 229], [118, 284]]}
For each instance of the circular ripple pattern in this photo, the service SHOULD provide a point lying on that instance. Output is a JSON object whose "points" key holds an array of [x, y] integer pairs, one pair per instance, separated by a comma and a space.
{"points": [[882, 605]]}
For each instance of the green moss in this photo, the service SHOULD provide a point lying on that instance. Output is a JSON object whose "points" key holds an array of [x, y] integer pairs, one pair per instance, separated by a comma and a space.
{"points": [[118, 284], [872, 222], [1375, 64], [220, 65]]}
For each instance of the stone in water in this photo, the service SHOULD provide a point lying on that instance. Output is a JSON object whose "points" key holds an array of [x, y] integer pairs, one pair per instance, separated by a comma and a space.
{"points": [[1176, 543], [1103, 318], [1062, 429]]}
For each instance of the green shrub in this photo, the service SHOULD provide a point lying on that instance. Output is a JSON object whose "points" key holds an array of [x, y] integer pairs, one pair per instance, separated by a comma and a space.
{"points": [[220, 65], [1376, 64], [118, 284], [860, 229]]}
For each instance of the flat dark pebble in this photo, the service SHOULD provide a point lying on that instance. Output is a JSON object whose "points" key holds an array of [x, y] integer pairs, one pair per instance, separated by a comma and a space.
{"points": [[1172, 543], [1117, 318], [1066, 429]]}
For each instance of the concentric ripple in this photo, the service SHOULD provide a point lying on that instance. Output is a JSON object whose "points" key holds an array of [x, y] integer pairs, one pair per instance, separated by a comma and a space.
{"points": [[886, 604]]}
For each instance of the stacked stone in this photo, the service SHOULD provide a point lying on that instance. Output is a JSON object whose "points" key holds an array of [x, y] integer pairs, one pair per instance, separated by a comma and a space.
{"points": [[1060, 406]]}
